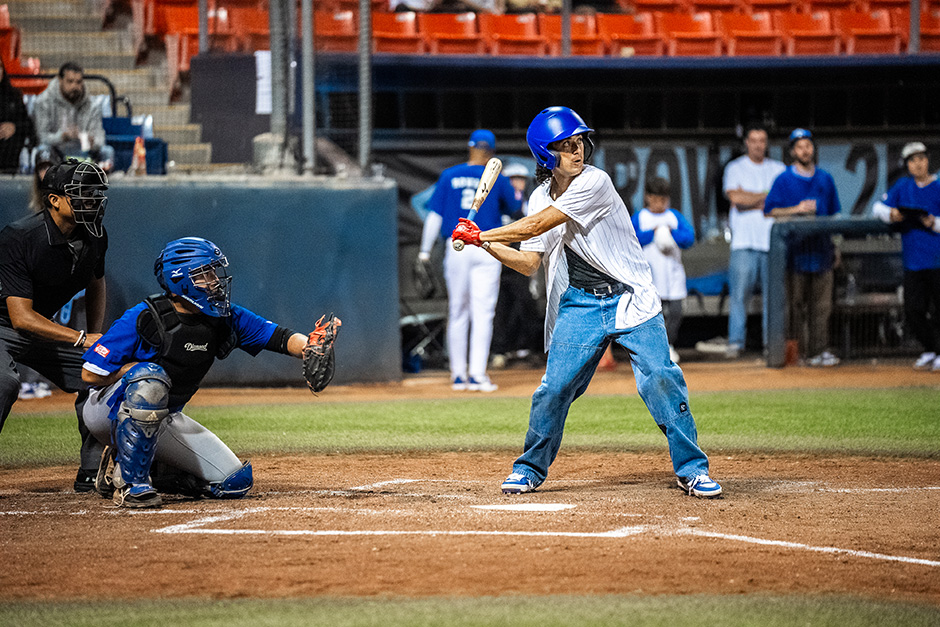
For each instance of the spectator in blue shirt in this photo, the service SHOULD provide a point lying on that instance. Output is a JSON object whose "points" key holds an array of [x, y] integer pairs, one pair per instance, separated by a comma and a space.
{"points": [[913, 205], [804, 191]]}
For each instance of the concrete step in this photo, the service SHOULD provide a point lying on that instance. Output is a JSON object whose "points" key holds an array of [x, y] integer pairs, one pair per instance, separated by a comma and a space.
{"points": [[103, 61], [179, 134], [22, 8], [57, 22], [142, 78], [84, 44], [144, 99], [169, 115], [190, 153]]}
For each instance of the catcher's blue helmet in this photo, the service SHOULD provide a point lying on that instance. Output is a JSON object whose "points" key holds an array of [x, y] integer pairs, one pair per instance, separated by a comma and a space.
{"points": [[551, 125], [194, 268]]}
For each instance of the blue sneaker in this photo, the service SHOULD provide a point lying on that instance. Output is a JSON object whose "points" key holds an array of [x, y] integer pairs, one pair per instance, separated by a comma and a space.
{"points": [[701, 485], [459, 384], [517, 483]]}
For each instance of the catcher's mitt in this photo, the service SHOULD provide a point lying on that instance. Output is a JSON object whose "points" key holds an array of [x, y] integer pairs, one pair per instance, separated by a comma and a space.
{"points": [[319, 361]]}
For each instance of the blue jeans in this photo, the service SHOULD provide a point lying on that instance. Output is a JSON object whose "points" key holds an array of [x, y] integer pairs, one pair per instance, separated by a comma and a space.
{"points": [[746, 268], [584, 328]]}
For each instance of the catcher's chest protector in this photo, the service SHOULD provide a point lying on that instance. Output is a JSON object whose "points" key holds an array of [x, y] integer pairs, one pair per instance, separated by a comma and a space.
{"points": [[186, 345]]}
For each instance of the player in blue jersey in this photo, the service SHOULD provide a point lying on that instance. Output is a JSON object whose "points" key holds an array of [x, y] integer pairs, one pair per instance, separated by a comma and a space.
{"points": [[913, 206], [804, 191], [148, 365], [472, 276]]}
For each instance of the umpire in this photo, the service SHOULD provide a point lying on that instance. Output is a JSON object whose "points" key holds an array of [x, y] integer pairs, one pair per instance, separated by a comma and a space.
{"points": [[47, 258]]}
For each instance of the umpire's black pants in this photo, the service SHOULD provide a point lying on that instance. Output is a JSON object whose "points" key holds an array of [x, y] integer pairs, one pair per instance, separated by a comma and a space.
{"points": [[58, 362]]}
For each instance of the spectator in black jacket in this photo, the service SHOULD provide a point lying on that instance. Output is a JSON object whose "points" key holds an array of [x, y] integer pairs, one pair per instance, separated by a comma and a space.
{"points": [[16, 127]]}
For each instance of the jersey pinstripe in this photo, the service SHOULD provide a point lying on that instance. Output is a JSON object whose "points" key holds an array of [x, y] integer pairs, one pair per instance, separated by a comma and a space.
{"points": [[600, 231]]}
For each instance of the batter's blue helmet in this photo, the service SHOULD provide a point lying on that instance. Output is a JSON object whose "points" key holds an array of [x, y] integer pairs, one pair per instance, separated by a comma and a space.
{"points": [[194, 268], [551, 125]]}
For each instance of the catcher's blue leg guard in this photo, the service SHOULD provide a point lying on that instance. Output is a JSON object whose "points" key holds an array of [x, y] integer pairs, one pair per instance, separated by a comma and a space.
{"points": [[146, 396], [235, 486]]}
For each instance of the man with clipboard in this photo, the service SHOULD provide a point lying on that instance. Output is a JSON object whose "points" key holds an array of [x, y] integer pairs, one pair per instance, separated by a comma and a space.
{"points": [[912, 205]]}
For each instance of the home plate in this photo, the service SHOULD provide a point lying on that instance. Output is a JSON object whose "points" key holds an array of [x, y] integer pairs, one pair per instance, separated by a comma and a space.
{"points": [[527, 507]]}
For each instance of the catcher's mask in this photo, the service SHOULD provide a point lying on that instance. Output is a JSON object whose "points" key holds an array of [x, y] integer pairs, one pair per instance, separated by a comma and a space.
{"points": [[84, 184], [194, 268], [554, 124]]}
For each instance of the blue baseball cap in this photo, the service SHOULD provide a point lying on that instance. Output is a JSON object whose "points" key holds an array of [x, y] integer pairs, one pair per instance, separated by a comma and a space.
{"points": [[798, 134], [482, 139]]}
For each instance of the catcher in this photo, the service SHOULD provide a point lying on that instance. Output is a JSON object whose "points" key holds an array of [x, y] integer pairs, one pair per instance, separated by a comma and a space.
{"points": [[151, 361]]}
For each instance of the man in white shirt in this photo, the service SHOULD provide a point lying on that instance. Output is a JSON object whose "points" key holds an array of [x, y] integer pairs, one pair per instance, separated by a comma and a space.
{"points": [[600, 290], [747, 180]]}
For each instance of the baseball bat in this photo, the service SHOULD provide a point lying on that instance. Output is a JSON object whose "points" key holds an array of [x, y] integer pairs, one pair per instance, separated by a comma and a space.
{"points": [[493, 167]]}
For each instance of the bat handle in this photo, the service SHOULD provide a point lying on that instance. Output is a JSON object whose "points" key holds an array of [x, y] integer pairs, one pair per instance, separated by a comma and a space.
{"points": [[458, 245]]}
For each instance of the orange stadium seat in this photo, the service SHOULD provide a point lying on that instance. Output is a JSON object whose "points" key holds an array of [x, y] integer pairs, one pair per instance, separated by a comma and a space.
{"points": [[9, 43], [867, 32], [397, 32], [929, 28], [723, 6], [688, 34], [811, 6], [875, 5], [250, 26], [512, 34], [584, 37], [335, 31], [807, 33], [452, 33], [651, 6], [628, 35], [749, 34], [759, 6]]}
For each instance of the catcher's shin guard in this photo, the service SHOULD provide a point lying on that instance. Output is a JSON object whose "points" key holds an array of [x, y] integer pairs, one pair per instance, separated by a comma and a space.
{"points": [[235, 486], [135, 434]]}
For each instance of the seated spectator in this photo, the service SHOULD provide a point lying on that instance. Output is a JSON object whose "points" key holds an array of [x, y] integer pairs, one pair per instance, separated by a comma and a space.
{"points": [[68, 120], [16, 127], [45, 159]]}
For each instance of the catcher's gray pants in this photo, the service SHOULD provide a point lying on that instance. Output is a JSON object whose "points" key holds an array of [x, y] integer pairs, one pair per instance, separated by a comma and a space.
{"points": [[182, 443], [58, 362]]}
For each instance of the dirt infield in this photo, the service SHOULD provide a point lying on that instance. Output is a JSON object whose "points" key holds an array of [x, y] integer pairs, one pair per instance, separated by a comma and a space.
{"points": [[435, 524]]}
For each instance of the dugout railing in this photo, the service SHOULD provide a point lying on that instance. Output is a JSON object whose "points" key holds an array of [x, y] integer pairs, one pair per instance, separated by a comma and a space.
{"points": [[867, 306]]}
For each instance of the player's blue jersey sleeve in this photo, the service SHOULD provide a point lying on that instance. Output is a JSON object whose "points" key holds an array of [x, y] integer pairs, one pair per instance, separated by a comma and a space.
{"points": [[119, 345], [776, 196], [892, 197], [645, 237], [684, 234], [833, 206], [252, 330]]}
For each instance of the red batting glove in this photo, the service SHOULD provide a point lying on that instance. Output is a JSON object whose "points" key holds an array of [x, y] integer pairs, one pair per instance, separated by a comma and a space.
{"points": [[468, 232]]}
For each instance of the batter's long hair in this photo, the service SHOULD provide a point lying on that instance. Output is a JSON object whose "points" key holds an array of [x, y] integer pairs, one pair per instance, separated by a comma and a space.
{"points": [[542, 174]]}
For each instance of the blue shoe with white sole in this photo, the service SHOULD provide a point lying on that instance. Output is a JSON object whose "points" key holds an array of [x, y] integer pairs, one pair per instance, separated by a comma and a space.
{"points": [[517, 483], [702, 486]]}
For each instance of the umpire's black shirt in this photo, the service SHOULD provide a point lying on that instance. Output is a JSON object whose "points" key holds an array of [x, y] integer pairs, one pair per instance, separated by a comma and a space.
{"points": [[38, 262]]}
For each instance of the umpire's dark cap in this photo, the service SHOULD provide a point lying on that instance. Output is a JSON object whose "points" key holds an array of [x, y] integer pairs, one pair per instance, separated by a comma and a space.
{"points": [[58, 176]]}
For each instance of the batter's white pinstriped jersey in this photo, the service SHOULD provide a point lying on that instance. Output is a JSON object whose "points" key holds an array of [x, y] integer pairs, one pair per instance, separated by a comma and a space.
{"points": [[601, 233]]}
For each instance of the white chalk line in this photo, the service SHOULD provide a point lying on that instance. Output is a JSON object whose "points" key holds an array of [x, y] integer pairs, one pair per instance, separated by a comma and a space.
{"points": [[807, 547], [198, 526]]}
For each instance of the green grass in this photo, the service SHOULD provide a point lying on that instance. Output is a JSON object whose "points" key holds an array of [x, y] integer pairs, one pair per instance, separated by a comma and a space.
{"points": [[893, 422], [669, 611]]}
